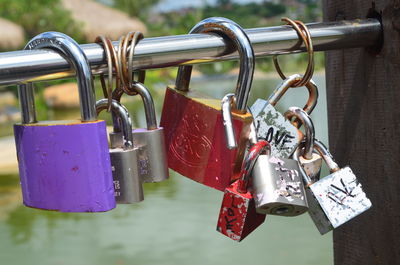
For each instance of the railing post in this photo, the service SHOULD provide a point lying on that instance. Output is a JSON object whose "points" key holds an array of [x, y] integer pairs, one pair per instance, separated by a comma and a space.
{"points": [[363, 94]]}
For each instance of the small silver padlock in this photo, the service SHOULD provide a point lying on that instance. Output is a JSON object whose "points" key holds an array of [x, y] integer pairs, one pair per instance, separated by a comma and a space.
{"points": [[272, 126], [310, 160], [336, 198], [127, 184], [277, 187], [150, 141], [152, 156]]}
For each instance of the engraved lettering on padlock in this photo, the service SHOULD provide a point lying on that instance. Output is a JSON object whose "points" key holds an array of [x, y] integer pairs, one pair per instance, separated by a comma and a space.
{"points": [[81, 145], [190, 145], [336, 198], [272, 126]]}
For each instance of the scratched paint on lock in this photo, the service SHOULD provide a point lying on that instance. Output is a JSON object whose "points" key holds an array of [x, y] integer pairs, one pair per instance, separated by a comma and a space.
{"points": [[341, 196], [277, 184], [238, 216], [288, 184], [272, 126], [317, 214]]}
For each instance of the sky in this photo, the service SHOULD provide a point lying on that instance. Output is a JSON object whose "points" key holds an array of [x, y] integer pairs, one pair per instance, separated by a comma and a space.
{"points": [[167, 5]]}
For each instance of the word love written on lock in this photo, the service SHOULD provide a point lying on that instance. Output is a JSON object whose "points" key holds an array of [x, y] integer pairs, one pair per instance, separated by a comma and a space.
{"points": [[272, 126], [194, 132], [336, 198], [238, 216], [64, 165]]}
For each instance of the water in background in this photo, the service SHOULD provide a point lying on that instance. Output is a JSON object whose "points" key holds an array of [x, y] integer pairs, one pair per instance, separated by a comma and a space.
{"points": [[174, 225]]}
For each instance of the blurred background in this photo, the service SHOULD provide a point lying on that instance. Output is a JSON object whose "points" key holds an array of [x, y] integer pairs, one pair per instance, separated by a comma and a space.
{"points": [[176, 224]]}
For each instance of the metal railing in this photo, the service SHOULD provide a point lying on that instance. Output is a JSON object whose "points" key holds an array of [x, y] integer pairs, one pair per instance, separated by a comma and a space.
{"points": [[36, 65]]}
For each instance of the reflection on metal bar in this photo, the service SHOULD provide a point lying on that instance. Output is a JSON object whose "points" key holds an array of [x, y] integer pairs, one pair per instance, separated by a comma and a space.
{"points": [[36, 65]]}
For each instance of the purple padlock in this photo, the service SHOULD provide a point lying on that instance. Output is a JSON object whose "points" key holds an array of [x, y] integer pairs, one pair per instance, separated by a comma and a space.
{"points": [[64, 165]]}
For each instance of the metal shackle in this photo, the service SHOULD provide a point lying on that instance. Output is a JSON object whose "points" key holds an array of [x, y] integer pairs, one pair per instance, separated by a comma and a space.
{"points": [[226, 103], [287, 83], [74, 54], [326, 156], [305, 119], [232, 31], [249, 161], [149, 110], [124, 119]]}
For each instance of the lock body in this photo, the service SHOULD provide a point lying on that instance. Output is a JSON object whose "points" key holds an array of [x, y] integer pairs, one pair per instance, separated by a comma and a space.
{"points": [[152, 156], [65, 166], [339, 197], [312, 166], [277, 187], [272, 126], [238, 216], [127, 184], [195, 138]]}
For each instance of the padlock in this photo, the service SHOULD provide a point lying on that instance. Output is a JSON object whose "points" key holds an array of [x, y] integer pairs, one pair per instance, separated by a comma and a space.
{"points": [[194, 132], [310, 160], [124, 159], [336, 198], [238, 216], [271, 126], [152, 157], [64, 165], [277, 187]]}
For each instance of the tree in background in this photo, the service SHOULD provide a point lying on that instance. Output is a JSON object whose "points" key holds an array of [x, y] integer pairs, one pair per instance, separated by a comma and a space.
{"points": [[135, 8], [40, 15]]}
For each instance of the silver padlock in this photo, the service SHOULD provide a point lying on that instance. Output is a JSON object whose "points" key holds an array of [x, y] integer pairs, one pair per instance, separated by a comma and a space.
{"points": [[150, 141], [336, 198], [277, 187], [310, 160], [272, 126], [127, 184]]}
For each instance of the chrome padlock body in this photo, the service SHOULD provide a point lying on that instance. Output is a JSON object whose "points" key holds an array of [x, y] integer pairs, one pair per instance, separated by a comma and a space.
{"points": [[152, 156], [272, 126], [127, 185], [124, 156], [336, 198], [277, 187]]}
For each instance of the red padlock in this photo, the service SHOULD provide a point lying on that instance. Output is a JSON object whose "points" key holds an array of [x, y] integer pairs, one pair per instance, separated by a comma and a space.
{"points": [[238, 216], [193, 124]]}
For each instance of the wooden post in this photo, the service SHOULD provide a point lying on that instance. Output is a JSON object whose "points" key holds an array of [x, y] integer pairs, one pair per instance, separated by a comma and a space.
{"points": [[363, 90]]}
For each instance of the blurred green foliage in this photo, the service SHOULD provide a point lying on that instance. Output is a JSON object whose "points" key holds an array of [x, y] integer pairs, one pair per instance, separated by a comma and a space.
{"points": [[135, 8], [247, 15], [39, 16]]}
